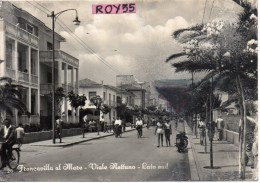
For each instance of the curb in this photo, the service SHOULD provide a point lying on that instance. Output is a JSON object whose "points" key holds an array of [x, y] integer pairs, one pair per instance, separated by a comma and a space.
{"points": [[194, 175], [81, 141]]}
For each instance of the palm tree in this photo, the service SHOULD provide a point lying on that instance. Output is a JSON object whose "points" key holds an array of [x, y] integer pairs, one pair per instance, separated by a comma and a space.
{"points": [[10, 98], [226, 52]]}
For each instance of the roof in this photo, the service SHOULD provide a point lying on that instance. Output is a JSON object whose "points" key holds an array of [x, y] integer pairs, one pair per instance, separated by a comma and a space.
{"points": [[131, 88], [88, 82], [231, 106]]}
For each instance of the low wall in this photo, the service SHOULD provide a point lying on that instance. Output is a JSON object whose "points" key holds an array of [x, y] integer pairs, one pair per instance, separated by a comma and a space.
{"points": [[232, 137], [47, 135]]}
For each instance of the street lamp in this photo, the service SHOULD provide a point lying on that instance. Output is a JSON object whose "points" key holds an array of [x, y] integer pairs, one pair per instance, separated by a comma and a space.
{"points": [[54, 18]]}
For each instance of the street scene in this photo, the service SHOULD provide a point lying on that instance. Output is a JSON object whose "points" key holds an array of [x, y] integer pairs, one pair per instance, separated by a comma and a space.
{"points": [[115, 91]]}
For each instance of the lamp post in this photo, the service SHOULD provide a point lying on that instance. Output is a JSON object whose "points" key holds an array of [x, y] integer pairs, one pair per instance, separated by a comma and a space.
{"points": [[54, 18]]}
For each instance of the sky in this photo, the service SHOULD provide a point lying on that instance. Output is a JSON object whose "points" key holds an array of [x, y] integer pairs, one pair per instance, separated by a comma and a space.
{"points": [[136, 43]]}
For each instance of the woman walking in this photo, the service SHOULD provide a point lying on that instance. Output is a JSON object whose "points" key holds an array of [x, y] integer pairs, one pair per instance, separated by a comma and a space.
{"points": [[168, 132], [159, 130], [202, 128]]}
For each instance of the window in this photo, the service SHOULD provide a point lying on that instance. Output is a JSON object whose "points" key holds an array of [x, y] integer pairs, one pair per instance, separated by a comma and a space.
{"points": [[109, 99], [33, 102], [9, 55], [49, 46], [49, 77], [34, 58], [114, 100], [104, 96], [30, 28]]}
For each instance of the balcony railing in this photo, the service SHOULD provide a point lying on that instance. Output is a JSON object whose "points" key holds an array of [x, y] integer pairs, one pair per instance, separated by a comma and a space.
{"points": [[21, 34], [11, 73], [70, 87], [46, 56], [34, 79], [22, 76], [47, 88]]}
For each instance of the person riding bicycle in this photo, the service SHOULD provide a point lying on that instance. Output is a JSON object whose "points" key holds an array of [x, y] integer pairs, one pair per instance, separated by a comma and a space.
{"points": [[118, 125], [139, 126], [9, 136]]}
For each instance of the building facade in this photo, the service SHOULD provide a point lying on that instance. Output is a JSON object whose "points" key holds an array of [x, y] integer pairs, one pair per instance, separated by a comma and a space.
{"points": [[108, 94], [26, 52]]}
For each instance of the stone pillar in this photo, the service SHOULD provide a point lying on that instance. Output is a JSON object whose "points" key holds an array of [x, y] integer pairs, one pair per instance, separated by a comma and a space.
{"points": [[66, 89]]}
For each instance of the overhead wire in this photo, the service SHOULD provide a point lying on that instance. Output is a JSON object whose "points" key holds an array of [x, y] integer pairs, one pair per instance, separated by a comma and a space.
{"points": [[204, 10], [211, 9], [74, 36]]}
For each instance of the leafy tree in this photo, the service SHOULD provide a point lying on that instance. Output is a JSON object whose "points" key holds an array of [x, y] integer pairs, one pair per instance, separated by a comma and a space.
{"points": [[10, 98], [76, 101], [226, 51]]}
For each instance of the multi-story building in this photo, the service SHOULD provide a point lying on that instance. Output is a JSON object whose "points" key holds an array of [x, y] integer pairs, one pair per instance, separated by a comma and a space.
{"points": [[26, 52], [138, 92], [106, 92]]}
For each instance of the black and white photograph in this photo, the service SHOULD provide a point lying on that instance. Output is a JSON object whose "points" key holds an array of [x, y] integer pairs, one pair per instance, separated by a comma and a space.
{"points": [[128, 90]]}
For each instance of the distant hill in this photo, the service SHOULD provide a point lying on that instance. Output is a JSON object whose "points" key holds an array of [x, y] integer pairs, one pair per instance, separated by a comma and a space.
{"points": [[175, 91], [179, 83]]}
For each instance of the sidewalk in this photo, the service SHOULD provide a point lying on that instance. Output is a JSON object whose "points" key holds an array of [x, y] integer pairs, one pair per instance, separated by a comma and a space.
{"points": [[71, 140], [225, 160]]}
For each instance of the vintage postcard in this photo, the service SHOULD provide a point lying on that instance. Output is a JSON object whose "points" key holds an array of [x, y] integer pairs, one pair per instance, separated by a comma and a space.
{"points": [[128, 90]]}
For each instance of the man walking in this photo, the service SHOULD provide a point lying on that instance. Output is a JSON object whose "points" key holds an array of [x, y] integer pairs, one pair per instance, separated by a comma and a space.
{"points": [[220, 127]]}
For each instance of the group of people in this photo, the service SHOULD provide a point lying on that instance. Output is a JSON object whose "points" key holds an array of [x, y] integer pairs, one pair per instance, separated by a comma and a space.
{"points": [[211, 128], [10, 135], [163, 127]]}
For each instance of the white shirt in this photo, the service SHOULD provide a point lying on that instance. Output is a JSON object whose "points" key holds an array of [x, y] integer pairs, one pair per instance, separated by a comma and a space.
{"points": [[6, 130], [139, 123], [85, 118], [118, 122], [220, 123], [20, 132]]}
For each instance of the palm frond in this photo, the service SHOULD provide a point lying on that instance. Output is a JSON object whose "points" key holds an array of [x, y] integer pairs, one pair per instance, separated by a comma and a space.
{"points": [[193, 28], [174, 56], [190, 66]]}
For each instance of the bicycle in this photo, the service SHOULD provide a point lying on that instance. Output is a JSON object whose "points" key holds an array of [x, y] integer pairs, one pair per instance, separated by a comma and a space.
{"points": [[14, 158]]}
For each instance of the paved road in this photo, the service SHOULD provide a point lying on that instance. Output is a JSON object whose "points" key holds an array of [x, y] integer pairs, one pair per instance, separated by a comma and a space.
{"points": [[107, 159]]}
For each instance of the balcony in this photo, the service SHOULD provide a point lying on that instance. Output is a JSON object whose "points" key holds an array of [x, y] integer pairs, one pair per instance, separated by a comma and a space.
{"points": [[11, 73], [21, 34], [46, 56], [24, 77], [34, 79], [47, 88]]}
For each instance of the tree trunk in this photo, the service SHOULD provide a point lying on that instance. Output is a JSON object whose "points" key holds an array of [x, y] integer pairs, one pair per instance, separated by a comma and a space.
{"points": [[243, 129]]}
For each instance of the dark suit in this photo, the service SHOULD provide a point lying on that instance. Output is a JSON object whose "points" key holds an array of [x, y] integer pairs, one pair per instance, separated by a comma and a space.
{"points": [[9, 141]]}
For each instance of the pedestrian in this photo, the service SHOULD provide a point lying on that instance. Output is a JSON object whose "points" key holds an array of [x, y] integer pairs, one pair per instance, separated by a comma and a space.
{"points": [[176, 123], [220, 127], [211, 129], [20, 135], [85, 118], [159, 130], [168, 132], [118, 126], [202, 130], [113, 125], [9, 136], [58, 127], [102, 122], [139, 126]]}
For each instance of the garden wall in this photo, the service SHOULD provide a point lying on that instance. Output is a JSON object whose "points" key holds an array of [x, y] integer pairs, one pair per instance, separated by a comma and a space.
{"points": [[47, 135]]}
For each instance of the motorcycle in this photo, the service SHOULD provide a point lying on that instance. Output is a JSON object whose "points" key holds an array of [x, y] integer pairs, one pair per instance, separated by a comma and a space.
{"points": [[181, 141], [118, 131]]}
